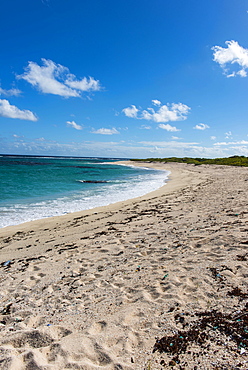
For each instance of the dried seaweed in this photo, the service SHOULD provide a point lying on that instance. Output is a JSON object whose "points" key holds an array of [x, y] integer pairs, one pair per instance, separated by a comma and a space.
{"points": [[234, 326], [242, 257], [216, 274], [237, 292]]}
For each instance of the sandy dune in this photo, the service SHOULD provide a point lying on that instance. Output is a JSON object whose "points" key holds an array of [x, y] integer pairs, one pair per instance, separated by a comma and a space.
{"points": [[99, 289]]}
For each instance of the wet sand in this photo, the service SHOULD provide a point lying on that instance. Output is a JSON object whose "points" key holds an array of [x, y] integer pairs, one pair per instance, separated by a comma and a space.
{"points": [[96, 289]]}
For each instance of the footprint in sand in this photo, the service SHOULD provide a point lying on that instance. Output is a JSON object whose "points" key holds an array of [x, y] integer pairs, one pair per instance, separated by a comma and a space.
{"points": [[97, 327]]}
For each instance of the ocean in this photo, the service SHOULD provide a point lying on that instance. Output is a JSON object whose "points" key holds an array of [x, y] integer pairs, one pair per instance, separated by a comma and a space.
{"points": [[34, 187]]}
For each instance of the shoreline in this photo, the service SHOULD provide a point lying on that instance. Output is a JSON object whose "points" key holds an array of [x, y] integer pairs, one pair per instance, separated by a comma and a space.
{"points": [[94, 289], [176, 180], [102, 201], [175, 177]]}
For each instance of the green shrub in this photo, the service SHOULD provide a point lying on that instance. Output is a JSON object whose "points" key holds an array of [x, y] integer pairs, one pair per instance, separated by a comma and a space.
{"points": [[234, 160]]}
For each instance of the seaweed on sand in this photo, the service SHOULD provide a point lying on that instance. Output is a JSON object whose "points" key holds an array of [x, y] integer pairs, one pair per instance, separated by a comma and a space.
{"points": [[234, 326]]}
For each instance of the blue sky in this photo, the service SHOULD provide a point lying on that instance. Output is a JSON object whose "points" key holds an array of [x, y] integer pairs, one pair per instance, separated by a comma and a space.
{"points": [[123, 79]]}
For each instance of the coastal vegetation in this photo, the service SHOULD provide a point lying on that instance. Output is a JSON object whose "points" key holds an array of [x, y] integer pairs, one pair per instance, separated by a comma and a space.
{"points": [[230, 161]]}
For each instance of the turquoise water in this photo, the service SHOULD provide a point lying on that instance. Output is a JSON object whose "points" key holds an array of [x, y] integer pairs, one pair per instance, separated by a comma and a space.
{"points": [[37, 187]]}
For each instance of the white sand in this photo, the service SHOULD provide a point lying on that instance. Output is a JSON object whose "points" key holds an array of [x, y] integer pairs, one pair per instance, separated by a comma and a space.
{"points": [[94, 289]]}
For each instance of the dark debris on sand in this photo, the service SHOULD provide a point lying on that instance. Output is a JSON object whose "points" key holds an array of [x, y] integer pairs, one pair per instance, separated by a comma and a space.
{"points": [[209, 328]]}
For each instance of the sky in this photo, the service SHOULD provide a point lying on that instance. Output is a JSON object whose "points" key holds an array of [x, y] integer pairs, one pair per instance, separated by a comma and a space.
{"points": [[124, 79]]}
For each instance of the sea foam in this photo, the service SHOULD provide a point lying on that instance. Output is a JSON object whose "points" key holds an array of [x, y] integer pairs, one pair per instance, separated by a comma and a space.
{"points": [[90, 196]]}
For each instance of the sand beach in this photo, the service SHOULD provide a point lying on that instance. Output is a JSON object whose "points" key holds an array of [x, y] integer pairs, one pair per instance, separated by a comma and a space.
{"points": [[156, 282]]}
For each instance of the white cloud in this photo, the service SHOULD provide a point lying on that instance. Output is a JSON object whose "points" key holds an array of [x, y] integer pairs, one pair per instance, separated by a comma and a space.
{"points": [[74, 125], [11, 111], [52, 78], [234, 53], [175, 138], [241, 142], [120, 149], [84, 85], [213, 137], [11, 92], [189, 149], [145, 127], [176, 112], [166, 144], [168, 127], [156, 102], [165, 113], [201, 126], [105, 131], [228, 134], [131, 111]]}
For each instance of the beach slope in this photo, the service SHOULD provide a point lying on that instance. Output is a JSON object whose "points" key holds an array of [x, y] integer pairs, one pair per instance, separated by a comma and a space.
{"points": [[155, 282]]}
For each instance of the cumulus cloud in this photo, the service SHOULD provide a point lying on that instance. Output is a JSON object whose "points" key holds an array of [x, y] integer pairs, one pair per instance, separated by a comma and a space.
{"points": [[86, 84], [175, 112], [11, 92], [105, 131], [164, 113], [156, 102], [11, 111], [131, 111], [168, 127], [201, 126], [74, 125], [52, 78], [232, 54]]}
